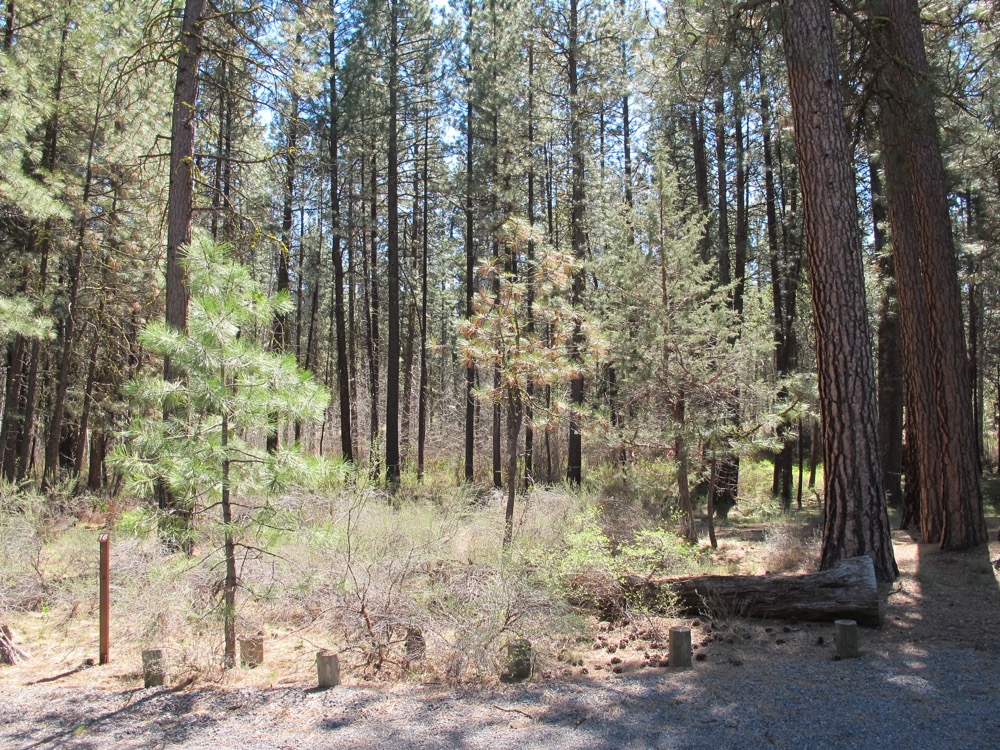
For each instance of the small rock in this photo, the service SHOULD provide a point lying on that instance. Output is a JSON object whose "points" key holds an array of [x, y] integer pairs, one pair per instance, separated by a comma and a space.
{"points": [[779, 641], [616, 670], [584, 670], [786, 629], [768, 630], [695, 623], [615, 660], [700, 657]]}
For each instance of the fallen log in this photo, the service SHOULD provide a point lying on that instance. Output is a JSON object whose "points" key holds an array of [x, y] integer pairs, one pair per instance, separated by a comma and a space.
{"points": [[9, 652], [846, 591]]}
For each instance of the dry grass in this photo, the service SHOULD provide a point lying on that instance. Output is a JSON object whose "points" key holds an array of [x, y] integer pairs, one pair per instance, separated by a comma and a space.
{"points": [[790, 547]]}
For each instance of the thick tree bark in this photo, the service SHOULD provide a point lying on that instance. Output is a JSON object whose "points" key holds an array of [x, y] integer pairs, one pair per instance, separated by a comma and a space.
{"points": [[180, 199], [857, 522], [890, 352], [963, 523], [180, 196]]}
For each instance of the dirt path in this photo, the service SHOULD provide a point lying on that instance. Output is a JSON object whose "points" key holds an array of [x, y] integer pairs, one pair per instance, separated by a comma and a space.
{"points": [[928, 677]]}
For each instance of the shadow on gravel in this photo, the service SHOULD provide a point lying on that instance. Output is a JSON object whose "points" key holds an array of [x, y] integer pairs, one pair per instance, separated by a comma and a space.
{"points": [[77, 724]]}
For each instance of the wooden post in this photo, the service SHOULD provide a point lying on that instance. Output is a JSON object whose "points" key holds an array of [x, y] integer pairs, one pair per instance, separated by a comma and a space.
{"points": [[416, 646], [252, 651], [680, 648], [845, 634], [328, 668], [105, 597], [519, 661], [154, 668]]}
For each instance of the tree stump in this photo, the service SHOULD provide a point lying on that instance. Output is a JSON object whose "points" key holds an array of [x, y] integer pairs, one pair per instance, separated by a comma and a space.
{"points": [[328, 669], [845, 634], [416, 646], [252, 651], [154, 668], [9, 653], [679, 648], [518, 661]]}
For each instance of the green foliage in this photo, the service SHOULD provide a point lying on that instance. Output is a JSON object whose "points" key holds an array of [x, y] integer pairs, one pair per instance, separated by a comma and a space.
{"points": [[501, 336], [19, 317], [229, 381], [588, 550]]}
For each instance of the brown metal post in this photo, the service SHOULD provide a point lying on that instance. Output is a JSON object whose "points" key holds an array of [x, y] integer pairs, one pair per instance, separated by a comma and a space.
{"points": [[105, 584]]}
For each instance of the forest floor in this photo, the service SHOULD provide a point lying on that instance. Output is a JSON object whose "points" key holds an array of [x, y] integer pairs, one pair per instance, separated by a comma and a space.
{"points": [[927, 676]]}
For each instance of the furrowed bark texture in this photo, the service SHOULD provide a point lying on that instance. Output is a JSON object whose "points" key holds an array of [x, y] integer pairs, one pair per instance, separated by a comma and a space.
{"points": [[964, 525], [918, 379], [857, 521]]}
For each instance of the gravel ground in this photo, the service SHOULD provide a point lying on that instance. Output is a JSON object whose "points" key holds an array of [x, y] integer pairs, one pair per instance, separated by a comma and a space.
{"points": [[888, 698]]}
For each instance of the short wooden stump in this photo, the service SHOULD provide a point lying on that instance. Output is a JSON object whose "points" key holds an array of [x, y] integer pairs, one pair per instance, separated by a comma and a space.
{"points": [[328, 669], [679, 647], [154, 668], [845, 635], [252, 651]]}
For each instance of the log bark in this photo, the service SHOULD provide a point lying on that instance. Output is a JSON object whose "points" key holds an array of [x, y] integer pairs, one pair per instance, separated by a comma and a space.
{"points": [[846, 591], [9, 652]]}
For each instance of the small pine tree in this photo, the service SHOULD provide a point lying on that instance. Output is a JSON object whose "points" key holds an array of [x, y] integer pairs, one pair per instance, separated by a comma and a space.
{"points": [[203, 435], [498, 337], [18, 317]]}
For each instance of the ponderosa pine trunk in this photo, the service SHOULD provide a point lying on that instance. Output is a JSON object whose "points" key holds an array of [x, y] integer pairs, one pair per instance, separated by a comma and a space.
{"points": [[180, 206], [963, 522], [470, 288], [371, 300], [279, 327], [857, 521], [180, 196], [392, 468], [890, 353], [336, 251], [574, 455]]}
